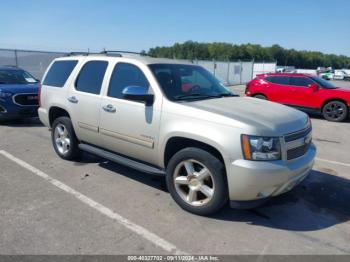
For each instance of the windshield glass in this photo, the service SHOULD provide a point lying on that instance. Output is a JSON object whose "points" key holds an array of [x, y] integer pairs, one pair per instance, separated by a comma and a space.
{"points": [[13, 76], [188, 82], [323, 83]]}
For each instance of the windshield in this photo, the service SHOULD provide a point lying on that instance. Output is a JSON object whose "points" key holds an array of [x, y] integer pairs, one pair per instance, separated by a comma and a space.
{"points": [[14, 76], [323, 83], [188, 82]]}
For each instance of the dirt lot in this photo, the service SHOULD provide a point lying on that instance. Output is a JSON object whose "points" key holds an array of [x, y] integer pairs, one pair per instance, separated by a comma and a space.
{"points": [[51, 206]]}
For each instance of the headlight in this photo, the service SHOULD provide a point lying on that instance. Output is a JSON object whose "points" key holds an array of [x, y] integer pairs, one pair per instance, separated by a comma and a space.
{"points": [[261, 148], [4, 94]]}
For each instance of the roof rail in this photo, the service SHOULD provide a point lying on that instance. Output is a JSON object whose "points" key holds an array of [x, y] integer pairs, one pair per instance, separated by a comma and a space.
{"points": [[78, 53], [119, 53], [106, 52]]}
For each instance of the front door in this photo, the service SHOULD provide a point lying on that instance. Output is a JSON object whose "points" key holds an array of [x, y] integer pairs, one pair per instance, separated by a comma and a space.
{"points": [[128, 127], [301, 94]]}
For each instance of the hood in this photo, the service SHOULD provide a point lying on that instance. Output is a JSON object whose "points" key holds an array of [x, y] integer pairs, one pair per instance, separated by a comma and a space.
{"points": [[24, 88], [263, 117]]}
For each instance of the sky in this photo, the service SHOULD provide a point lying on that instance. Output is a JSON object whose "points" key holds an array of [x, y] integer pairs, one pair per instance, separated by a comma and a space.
{"points": [[135, 25]]}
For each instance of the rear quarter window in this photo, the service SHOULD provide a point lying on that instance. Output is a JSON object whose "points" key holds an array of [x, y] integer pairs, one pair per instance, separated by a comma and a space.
{"points": [[59, 73]]}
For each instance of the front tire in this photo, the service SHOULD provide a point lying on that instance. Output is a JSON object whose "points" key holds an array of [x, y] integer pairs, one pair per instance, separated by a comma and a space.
{"points": [[64, 140], [335, 111], [196, 181]]}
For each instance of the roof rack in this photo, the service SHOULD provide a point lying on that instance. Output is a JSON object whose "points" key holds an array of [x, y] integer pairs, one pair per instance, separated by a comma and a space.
{"points": [[119, 53], [106, 52], [79, 53]]}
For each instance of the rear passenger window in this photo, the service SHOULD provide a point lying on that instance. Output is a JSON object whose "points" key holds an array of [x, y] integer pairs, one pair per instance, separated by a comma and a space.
{"points": [[280, 80], [125, 75], [59, 73], [91, 77], [300, 81]]}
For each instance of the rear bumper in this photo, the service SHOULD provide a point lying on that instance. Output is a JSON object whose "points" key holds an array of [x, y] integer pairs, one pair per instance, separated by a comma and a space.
{"points": [[254, 180], [44, 116]]}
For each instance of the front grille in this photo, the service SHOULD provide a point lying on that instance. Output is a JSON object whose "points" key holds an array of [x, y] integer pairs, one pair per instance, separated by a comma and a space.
{"points": [[298, 151], [26, 99], [298, 135], [298, 143]]}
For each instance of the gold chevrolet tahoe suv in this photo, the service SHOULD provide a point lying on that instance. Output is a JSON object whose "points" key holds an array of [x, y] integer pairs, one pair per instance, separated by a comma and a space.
{"points": [[176, 120]]}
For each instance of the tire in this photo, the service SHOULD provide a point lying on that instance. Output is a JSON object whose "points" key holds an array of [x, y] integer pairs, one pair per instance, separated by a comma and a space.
{"points": [[63, 139], [259, 96], [190, 186], [335, 111]]}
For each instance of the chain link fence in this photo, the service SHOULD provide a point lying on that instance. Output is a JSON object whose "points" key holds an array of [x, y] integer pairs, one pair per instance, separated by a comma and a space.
{"points": [[35, 62], [230, 72]]}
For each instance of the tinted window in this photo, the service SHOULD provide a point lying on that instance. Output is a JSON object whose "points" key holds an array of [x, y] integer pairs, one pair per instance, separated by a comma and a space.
{"points": [[59, 73], [300, 81], [323, 83], [188, 82], [125, 75], [280, 80], [91, 76], [14, 76]]}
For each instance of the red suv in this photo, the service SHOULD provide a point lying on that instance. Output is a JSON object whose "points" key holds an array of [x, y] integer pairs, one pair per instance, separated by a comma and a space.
{"points": [[306, 92]]}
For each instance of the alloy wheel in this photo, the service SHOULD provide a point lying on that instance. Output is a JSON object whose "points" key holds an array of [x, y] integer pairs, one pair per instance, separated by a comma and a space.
{"points": [[62, 139], [194, 182], [334, 111]]}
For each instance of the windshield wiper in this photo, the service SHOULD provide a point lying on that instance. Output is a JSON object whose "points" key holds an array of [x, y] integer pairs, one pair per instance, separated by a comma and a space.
{"points": [[196, 96]]}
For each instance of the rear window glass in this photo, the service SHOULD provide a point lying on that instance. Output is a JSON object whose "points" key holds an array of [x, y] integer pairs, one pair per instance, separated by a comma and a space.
{"points": [[280, 80], [91, 76], [59, 73]]}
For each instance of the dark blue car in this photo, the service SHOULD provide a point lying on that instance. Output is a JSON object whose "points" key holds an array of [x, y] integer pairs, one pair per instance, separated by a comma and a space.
{"points": [[18, 94]]}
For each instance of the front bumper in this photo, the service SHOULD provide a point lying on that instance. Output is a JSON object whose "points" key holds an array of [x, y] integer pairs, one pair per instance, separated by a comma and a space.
{"points": [[13, 111], [254, 180]]}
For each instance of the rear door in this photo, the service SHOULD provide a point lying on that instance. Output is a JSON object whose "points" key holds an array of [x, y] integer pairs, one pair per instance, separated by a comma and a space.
{"points": [[278, 89], [84, 99]]}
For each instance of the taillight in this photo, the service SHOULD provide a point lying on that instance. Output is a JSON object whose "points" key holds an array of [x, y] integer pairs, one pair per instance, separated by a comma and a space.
{"points": [[39, 94]]}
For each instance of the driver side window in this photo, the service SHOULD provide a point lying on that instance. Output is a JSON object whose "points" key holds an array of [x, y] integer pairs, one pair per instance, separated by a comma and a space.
{"points": [[125, 75]]}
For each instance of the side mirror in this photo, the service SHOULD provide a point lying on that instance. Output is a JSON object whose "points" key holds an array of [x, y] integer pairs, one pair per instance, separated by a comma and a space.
{"points": [[314, 87], [138, 93]]}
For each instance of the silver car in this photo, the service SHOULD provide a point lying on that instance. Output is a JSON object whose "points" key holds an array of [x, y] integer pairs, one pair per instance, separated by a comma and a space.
{"points": [[176, 120]]}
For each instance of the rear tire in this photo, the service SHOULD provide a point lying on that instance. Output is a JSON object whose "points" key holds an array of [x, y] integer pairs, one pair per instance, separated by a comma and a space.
{"points": [[196, 181], [335, 111], [259, 96], [64, 140]]}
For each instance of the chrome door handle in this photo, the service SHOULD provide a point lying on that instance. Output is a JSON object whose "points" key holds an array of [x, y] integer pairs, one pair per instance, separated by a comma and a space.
{"points": [[109, 108], [72, 99]]}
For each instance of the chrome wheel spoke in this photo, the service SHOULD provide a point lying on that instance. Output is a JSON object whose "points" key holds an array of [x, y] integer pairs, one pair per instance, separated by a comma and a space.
{"points": [[207, 191], [203, 174], [189, 167], [192, 196], [181, 180]]}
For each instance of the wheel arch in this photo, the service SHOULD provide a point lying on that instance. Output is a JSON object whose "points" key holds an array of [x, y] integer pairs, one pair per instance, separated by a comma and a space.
{"points": [[176, 143], [55, 112], [334, 99]]}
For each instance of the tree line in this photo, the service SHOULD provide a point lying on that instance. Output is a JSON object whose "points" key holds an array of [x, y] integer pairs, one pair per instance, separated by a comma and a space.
{"points": [[230, 52]]}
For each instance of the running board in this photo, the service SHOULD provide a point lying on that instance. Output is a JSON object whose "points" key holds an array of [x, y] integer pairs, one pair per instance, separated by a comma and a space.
{"points": [[122, 160]]}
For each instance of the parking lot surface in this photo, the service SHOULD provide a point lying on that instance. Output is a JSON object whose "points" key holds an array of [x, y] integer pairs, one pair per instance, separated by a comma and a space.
{"points": [[93, 206]]}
